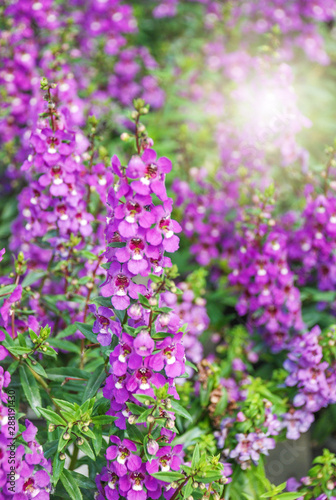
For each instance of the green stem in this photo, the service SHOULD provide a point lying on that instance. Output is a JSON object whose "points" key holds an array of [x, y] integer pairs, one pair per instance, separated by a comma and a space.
{"points": [[74, 457]]}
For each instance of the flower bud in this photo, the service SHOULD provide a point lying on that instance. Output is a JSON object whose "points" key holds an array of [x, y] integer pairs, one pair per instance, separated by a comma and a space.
{"points": [[152, 447], [66, 436], [174, 485], [85, 428], [131, 419], [79, 441], [330, 485], [51, 427], [170, 423], [150, 419], [195, 485], [62, 456]]}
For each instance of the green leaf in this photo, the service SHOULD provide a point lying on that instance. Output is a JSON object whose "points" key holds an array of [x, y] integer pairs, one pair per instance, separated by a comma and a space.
{"points": [[134, 432], [188, 488], [169, 476], [209, 477], [65, 345], [135, 409], [117, 244], [98, 440], [86, 448], [30, 388], [289, 496], [18, 350], [103, 419], [222, 403], [194, 367], [143, 416], [180, 410], [69, 330], [86, 330], [94, 382], [144, 301], [83, 482], [32, 278], [70, 485], [51, 416], [195, 457], [65, 405], [50, 448], [143, 398], [60, 374], [37, 368], [7, 289], [58, 466], [88, 255]]}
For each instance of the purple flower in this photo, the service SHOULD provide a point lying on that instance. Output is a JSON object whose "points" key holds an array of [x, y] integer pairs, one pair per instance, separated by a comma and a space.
{"points": [[125, 356], [151, 173], [120, 452], [167, 458], [143, 344]]}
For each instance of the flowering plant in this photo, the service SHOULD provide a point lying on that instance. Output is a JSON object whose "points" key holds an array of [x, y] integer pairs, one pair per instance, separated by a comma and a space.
{"points": [[167, 302]]}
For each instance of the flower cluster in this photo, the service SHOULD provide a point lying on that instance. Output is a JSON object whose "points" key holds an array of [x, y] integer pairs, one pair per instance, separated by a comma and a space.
{"points": [[313, 245], [297, 20], [250, 422], [192, 311], [138, 234], [261, 271], [32, 474], [55, 218], [312, 375], [37, 32]]}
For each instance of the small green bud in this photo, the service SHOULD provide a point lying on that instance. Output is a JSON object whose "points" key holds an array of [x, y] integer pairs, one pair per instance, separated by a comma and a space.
{"points": [[66, 436], [51, 427], [62, 456], [79, 441]]}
